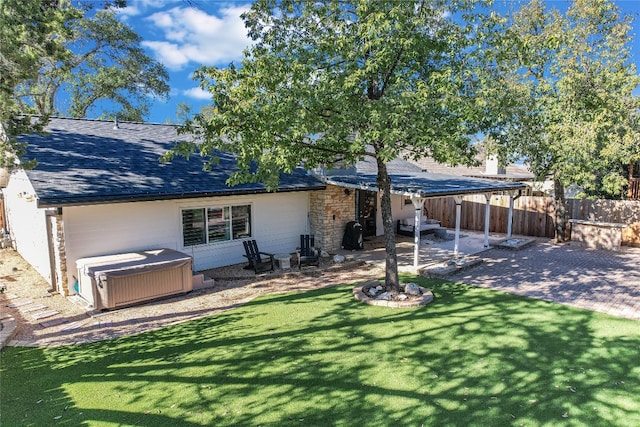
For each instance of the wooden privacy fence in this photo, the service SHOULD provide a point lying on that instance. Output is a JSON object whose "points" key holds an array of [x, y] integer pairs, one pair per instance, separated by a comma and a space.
{"points": [[534, 216]]}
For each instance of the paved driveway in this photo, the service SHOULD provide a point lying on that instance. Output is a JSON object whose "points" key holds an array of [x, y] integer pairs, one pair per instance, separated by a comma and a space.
{"points": [[599, 280]]}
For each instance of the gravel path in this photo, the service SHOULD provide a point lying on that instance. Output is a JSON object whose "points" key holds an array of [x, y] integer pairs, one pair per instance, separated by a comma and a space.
{"points": [[27, 300]]}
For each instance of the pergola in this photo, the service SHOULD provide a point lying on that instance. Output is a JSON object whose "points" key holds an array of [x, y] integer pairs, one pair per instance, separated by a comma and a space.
{"points": [[423, 185]]}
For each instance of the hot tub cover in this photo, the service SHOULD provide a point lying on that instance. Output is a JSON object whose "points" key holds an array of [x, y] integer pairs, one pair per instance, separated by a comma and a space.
{"points": [[127, 264]]}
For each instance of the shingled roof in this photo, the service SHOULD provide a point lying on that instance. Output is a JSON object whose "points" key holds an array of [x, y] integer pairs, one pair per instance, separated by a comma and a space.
{"points": [[425, 185], [92, 161], [408, 179]]}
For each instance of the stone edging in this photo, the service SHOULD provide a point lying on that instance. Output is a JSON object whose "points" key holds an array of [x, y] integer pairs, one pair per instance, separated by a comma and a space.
{"points": [[427, 297], [8, 328]]}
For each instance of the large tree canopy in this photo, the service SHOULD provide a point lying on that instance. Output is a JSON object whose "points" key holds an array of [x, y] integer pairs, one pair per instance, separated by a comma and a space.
{"points": [[29, 31], [336, 81], [565, 82], [56, 58], [105, 63]]}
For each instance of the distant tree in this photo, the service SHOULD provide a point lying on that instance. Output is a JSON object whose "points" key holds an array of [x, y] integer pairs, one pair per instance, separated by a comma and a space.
{"points": [[106, 63], [565, 82], [29, 31], [56, 58], [340, 81]]}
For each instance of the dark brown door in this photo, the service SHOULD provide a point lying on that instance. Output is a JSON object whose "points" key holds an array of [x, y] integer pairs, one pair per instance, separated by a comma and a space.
{"points": [[366, 202]]}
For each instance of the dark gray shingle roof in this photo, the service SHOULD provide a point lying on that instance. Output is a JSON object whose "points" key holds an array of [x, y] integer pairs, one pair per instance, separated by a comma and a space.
{"points": [[89, 161], [425, 184]]}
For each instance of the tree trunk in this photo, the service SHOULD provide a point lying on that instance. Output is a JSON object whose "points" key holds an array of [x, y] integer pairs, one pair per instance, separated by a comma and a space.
{"points": [[561, 211], [392, 281]]}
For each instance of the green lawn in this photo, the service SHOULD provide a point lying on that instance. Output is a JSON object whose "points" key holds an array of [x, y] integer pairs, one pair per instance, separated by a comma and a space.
{"points": [[473, 357]]}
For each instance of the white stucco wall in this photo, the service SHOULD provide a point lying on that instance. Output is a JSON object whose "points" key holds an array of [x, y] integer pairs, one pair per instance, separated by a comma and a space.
{"points": [[27, 224], [398, 211], [278, 219]]}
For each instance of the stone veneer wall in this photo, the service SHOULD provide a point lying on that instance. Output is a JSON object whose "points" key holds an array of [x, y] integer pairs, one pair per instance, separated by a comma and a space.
{"points": [[60, 255], [330, 212]]}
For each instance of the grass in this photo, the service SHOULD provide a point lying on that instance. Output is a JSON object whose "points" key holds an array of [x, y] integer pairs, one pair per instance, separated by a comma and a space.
{"points": [[473, 357]]}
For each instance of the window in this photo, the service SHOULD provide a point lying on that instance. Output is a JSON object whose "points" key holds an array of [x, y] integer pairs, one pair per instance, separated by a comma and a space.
{"points": [[218, 224], [193, 227], [241, 219], [221, 224]]}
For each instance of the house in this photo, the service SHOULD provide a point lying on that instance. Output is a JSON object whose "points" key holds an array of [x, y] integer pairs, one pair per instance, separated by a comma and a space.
{"points": [[99, 189], [488, 168]]}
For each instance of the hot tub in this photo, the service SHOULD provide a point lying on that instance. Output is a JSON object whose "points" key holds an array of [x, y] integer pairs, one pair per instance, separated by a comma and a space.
{"points": [[120, 280]]}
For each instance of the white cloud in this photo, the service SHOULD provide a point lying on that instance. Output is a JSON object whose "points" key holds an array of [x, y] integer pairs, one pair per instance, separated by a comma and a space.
{"points": [[137, 7], [197, 93], [128, 11], [168, 54], [193, 36]]}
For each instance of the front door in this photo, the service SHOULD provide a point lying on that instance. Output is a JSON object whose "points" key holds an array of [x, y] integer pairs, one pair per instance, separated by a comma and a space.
{"points": [[366, 202]]}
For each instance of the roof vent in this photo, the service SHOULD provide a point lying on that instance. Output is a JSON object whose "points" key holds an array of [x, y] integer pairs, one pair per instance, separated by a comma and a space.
{"points": [[115, 123]]}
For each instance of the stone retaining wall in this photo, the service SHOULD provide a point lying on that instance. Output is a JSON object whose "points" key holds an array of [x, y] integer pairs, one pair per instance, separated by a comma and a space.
{"points": [[596, 234]]}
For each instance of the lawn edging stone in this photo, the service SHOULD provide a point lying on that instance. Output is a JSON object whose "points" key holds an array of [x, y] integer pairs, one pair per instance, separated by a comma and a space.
{"points": [[360, 295]]}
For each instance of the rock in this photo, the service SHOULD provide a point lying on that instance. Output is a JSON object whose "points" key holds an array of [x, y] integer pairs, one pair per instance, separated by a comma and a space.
{"points": [[324, 254], [373, 292], [379, 287], [412, 289], [386, 296], [338, 259], [402, 297]]}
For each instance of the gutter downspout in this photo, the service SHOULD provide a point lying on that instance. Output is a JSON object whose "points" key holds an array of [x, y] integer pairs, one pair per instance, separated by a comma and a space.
{"points": [[456, 244]]}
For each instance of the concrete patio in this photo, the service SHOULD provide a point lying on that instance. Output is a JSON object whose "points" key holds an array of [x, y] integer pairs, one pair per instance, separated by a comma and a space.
{"points": [[432, 250]]}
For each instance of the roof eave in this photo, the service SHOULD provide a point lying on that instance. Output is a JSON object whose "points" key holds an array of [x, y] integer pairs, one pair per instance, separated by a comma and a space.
{"points": [[422, 194], [104, 200]]}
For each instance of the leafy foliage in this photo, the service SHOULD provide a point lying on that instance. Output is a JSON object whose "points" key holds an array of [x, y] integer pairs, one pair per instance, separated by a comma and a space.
{"points": [[29, 31], [106, 62], [52, 50], [567, 82]]}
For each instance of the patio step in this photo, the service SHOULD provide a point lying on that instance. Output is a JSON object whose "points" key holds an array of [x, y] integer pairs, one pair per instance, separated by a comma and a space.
{"points": [[19, 304], [449, 267], [45, 314], [200, 281]]}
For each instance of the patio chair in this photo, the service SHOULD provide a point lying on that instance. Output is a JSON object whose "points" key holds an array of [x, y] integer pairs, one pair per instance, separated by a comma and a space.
{"points": [[308, 254], [257, 261]]}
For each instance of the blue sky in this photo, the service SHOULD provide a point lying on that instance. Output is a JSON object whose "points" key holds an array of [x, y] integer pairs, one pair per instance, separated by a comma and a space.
{"points": [[184, 37]]}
